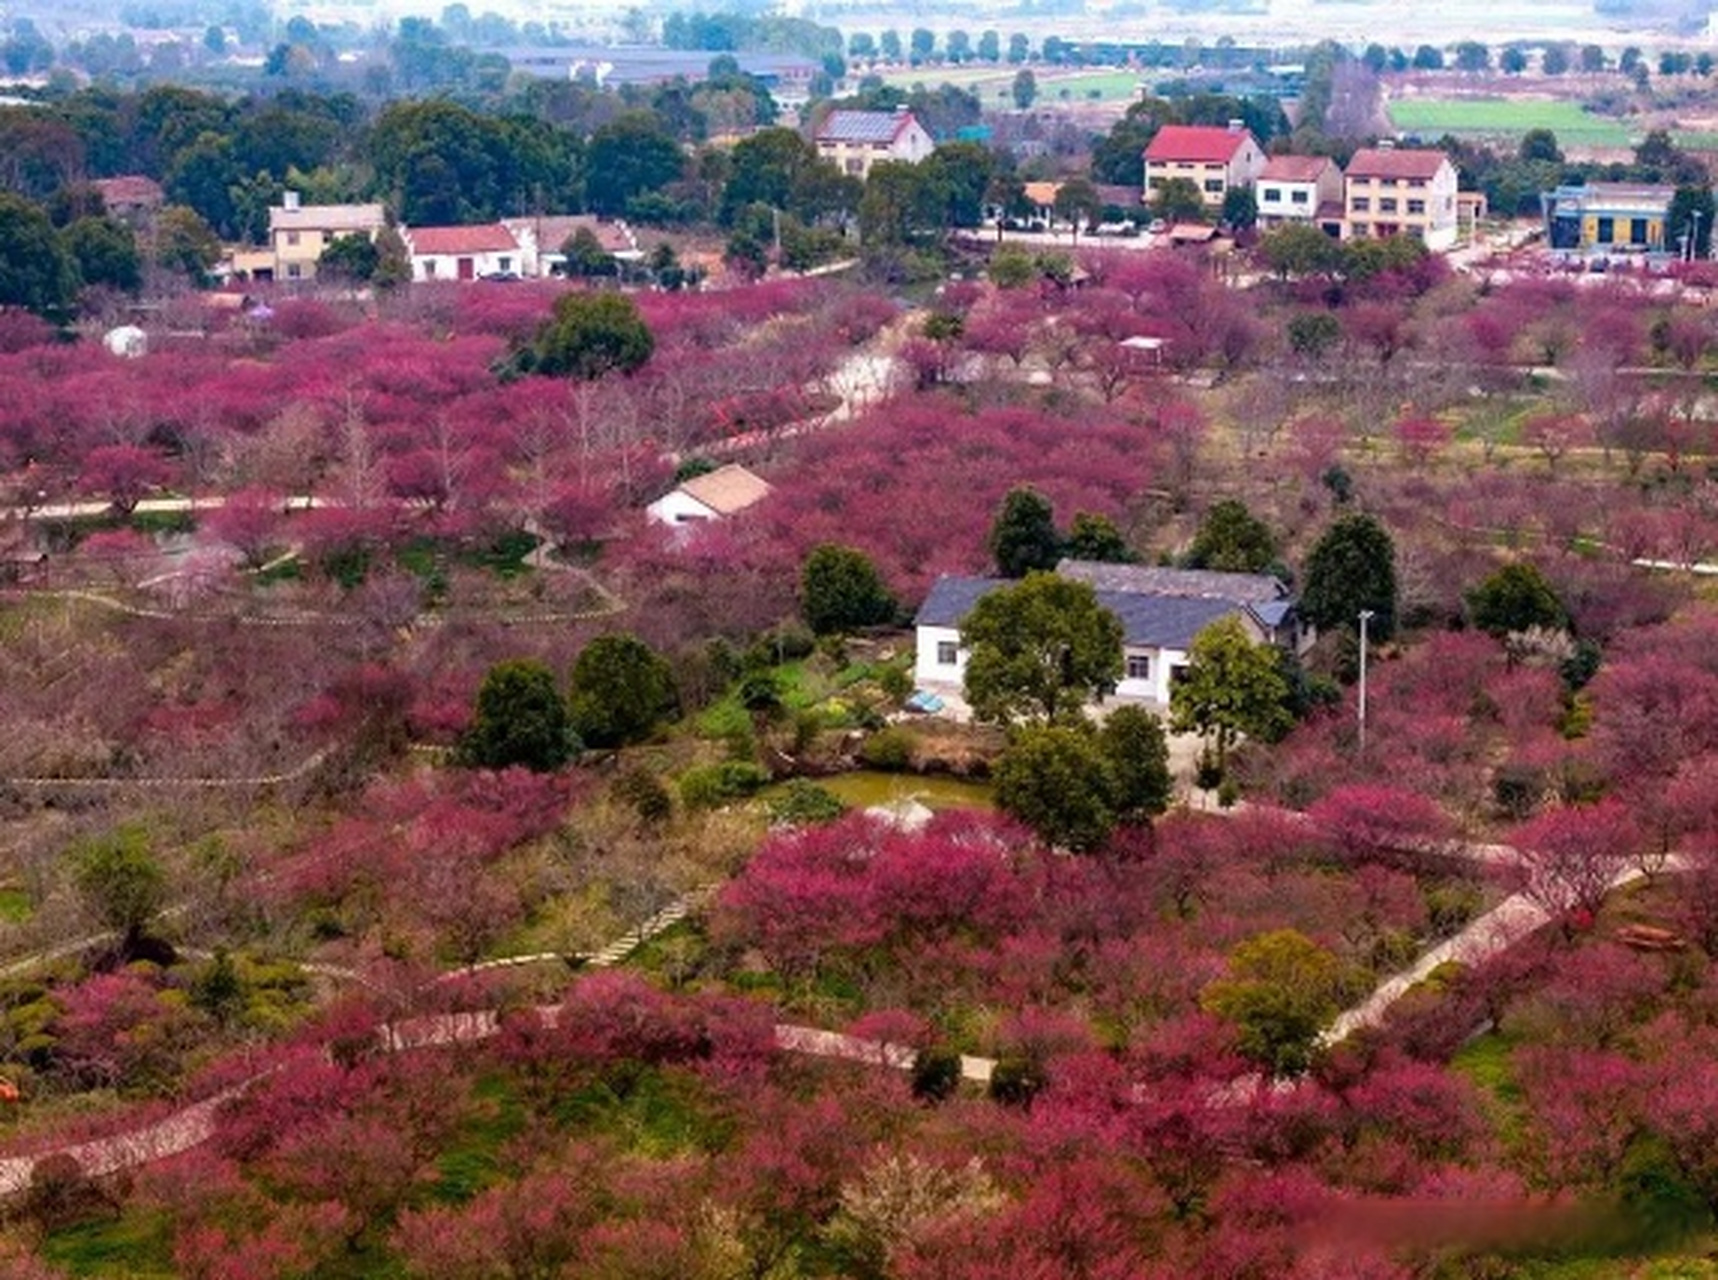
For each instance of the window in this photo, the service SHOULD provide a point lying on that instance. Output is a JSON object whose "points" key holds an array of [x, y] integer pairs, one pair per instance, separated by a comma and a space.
{"points": [[1387, 205], [1138, 667], [504, 264], [1155, 183], [855, 166], [948, 653], [293, 271], [1362, 230], [292, 237], [1272, 195], [1362, 204], [1214, 186], [429, 268], [1416, 206], [1419, 184], [1637, 231], [1607, 231], [1297, 197]]}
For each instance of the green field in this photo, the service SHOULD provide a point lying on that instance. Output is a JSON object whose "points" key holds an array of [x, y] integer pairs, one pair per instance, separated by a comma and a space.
{"points": [[1506, 118], [995, 84]]}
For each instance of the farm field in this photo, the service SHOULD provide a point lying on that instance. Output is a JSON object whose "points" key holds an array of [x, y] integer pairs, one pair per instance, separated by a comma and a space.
{"points": [[995, 84], [1501, 118]]}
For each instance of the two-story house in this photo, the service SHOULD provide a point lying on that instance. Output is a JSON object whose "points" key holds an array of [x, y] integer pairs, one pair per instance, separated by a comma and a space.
{"points": [[855, 140], [1390, 191], [1213, 159], [1300, 189], [298, 233]]}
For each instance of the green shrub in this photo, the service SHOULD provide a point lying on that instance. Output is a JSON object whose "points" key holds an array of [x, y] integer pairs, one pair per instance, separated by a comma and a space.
{"points": [[889, 749], [1451, 904], [644, 792], [895, 682], [1016, 1080], [936, 1074], [802, 803], [711, 786], [1517, 788]]}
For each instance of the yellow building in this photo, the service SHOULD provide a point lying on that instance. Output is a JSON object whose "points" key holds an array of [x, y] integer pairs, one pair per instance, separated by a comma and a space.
{"points": [[1608, 217], [298, 233]]}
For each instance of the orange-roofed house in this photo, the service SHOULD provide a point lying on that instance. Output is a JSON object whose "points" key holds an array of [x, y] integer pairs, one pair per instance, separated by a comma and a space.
{"points": [[1213, 159], [1392, 191], [1300, 189], [462, 253]]}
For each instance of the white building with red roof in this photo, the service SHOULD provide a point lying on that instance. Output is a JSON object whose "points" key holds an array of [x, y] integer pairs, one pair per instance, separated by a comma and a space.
{"points": [[1391, 191], [1213, 159], [462, 253], [1300, 189], [855, 140]]}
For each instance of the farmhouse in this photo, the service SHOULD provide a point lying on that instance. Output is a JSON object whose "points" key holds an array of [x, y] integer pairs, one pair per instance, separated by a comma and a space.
{"points": [[298, 233], [1397, 192], [856, 140], [1213, 159], [462, 253], [712, 496], [1300, 189], [1161, 610]]}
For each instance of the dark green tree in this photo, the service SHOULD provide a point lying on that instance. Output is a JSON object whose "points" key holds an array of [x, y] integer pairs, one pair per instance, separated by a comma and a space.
{"points": [[36, 272], [1691, 208], [628, 156], [104, 251], [520, 719], [1472, 55], [1233, 540], [585, 256], [1024, 537], [1515, 598], [1313, 334], [1178, 200], [1513, 60], [1540, 144], [1095, 537], [1136, 755], [185, 243], [592, 334], [1351, 567], [1232, 686], [840, 590], [120, 881], [1055, 779], [1281, 990], [1025, 89], [1240, 209], [622, 689], [1042, 648], [350, 257]]}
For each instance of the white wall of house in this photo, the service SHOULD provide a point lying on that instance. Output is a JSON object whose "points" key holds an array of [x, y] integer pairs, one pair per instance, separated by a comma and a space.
{"points": [[679, 507], [466, 266], [939, 661]]}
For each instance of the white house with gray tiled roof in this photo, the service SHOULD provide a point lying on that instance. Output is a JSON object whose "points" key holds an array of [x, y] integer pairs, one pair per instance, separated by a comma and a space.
{"points": [[856, 140], [1160, 610]]}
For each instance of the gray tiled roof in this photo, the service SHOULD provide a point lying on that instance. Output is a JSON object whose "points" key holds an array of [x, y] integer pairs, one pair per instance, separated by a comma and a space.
{"points": [[1239, 588], [1148, 619], [951, 599]]}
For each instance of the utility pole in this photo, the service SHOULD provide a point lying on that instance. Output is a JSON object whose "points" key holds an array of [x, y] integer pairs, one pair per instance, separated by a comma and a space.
{"points": [[1365, 617]]}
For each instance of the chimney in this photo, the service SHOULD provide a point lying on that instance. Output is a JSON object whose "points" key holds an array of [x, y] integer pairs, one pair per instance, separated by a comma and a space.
{"points": [[291, 199], [1236, 124]]}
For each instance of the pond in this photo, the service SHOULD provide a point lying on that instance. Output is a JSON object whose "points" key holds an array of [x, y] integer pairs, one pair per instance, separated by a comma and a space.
{"points": [[864, 788]]}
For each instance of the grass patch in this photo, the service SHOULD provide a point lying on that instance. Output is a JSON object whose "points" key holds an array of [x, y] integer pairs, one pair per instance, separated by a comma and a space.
{"points": [[472, 1161], [153, 522], [135, 1246], [653, 1112], [15, 906], [1506, 118]]}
